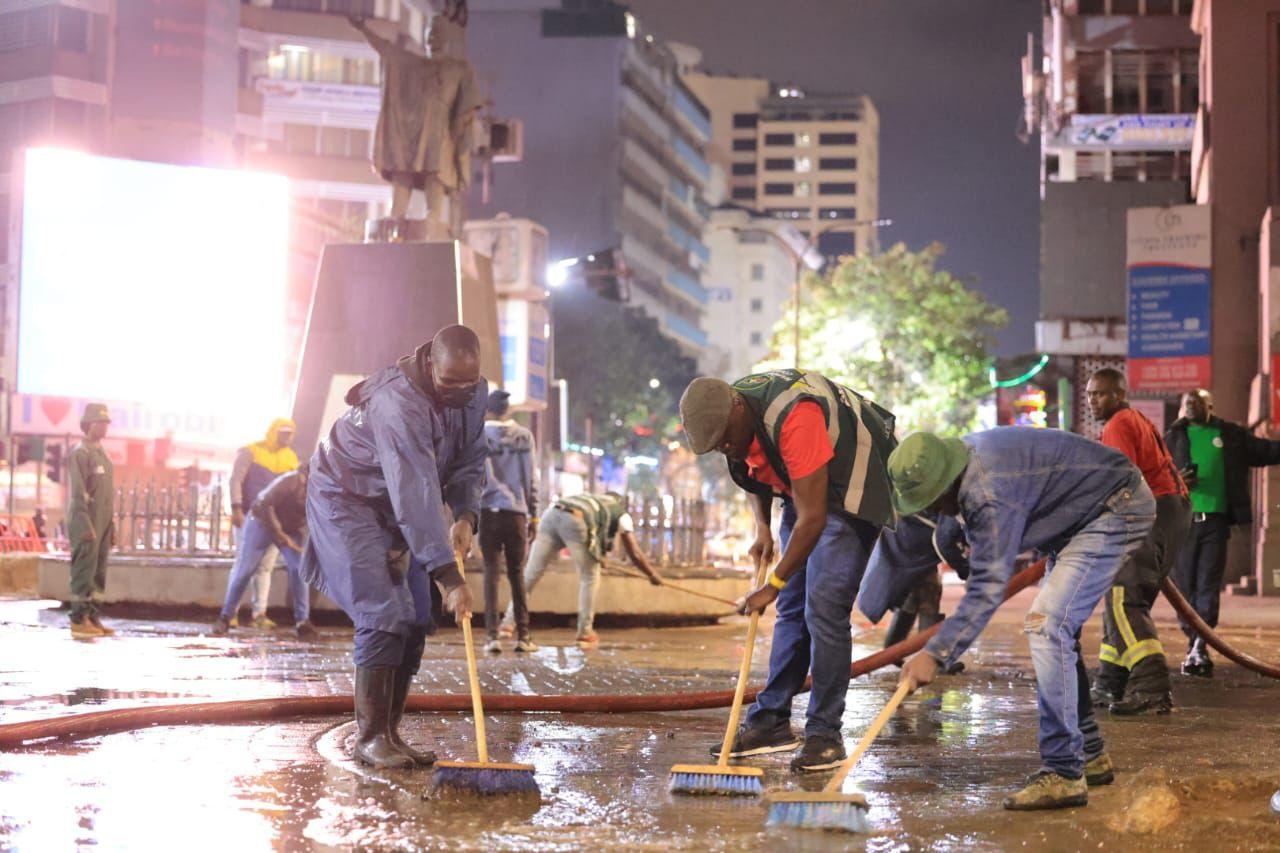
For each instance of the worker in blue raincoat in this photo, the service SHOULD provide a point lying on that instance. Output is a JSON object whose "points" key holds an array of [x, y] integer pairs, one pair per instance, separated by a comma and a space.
{"points": [[396, 482]]}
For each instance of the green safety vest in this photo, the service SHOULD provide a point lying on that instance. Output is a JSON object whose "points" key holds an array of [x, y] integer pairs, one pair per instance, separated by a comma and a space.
{"points": [[861, 434], [602, 513]]}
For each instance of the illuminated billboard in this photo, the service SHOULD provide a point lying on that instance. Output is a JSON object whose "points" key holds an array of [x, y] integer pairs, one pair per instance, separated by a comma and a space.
{"points": [[155, 286]]}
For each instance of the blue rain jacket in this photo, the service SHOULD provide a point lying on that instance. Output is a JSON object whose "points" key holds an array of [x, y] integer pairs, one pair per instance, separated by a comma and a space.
{"points": [[904, 556], [378, 491]]}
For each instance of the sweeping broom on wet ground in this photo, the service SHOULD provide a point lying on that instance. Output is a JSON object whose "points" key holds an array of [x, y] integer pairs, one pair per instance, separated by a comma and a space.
{"points": [[829, 808], [482, 776], [720, 778]]}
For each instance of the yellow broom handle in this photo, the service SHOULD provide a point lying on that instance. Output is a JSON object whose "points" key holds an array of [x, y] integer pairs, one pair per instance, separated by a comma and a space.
{"points": [[744, 672], [876, 725], [476, 708]]}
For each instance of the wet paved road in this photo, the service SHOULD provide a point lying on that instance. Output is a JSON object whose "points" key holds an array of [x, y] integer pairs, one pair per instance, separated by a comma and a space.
{"points": [[934, 779]]}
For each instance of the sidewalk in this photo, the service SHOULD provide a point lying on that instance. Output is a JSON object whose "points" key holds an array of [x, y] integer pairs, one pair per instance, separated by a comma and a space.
{"points": [[934, 779]]}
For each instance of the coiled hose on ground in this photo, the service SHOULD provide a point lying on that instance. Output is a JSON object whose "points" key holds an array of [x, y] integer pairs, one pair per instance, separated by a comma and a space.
{"points": [[97, 723]]}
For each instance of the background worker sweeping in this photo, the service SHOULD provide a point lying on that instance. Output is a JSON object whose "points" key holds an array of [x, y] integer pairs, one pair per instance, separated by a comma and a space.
{"points": [[587, 525], [508, 517], [1019, 489], [1214, 456], [822, 448], [90, 522], [278, 518], [1133, 677], [411, 446], [255, 466]]}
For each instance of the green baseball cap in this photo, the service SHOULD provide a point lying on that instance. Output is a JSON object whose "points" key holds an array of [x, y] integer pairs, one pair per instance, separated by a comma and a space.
{"points": [[95, 413], [922, 467]]}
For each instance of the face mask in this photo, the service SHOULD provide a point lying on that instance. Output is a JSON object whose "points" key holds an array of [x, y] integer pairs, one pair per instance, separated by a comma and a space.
{"points": [[453, 398]]}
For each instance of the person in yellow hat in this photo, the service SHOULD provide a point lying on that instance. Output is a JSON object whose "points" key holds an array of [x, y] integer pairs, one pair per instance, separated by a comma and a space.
{"points": [[255, 467], [90, 522]]}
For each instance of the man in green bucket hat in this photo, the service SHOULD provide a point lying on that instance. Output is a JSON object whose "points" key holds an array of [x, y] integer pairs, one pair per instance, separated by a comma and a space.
{"points": [[90, 522], [1020, 489]]}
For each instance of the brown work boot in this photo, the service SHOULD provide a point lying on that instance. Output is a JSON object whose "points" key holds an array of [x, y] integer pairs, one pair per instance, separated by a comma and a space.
{"points": [[375, 691], [97, 623], [84, 629], [1048, 790], [1099, 771]]}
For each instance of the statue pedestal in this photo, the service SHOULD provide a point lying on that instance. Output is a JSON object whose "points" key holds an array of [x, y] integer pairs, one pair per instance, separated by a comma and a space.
{"points": [[375, 302], [391, 230]]}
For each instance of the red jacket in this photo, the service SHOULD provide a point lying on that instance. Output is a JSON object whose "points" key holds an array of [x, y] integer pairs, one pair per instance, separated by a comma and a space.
{"points": [[1132, 434]]}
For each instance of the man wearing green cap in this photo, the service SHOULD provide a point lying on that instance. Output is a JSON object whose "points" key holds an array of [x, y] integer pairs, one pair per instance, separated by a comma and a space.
{"points": [[1018, 489], [90, 524], [822, 448]]}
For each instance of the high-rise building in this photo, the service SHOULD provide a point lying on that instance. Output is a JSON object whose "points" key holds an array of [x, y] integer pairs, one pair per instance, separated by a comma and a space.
{"points": [[614, 146], [810, 159], [1110, 96], [755, 260]]}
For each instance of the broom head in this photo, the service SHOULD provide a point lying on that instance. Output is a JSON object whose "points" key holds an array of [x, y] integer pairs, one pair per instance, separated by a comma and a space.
{"points": [[484, 778], [819, 810], [714, 779]]}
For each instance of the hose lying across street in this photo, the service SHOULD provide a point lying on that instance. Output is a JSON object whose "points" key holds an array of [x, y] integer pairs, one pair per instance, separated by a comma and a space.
{"points": [[98, 723]]}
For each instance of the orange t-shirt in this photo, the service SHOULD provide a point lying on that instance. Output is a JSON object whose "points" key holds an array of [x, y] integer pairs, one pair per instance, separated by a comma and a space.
{"points": [[804, 446], [1129, 431]]}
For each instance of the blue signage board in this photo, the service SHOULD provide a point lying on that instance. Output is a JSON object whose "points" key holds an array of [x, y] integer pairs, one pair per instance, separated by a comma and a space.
{"points": [[1169, 311]]}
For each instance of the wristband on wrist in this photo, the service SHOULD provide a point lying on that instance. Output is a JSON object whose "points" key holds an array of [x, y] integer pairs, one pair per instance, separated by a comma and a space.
{"points": [[775, 581]]}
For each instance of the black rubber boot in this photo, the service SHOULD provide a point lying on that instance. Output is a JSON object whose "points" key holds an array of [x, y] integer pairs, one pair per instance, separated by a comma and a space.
{"points": [[375, 689], [403, 679], [899, 628], [1109, 685]]}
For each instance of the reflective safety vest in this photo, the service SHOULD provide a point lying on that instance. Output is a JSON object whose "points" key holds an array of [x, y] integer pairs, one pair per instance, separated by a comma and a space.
{"points": [[861, 434], [602, 513]]}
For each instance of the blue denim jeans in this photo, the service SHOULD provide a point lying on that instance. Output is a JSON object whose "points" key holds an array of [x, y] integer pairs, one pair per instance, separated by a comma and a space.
{"points": [[811, 633], [1077, 578], [256, 540], [404, 650], [260, 587]]}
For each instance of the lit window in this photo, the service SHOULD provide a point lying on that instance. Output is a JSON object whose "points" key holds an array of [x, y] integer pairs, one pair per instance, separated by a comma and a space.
{"points": [[803, 189], [804, 164], [803, 140]]}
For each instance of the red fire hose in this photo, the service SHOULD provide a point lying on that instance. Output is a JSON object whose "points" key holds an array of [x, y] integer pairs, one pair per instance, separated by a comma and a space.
{"points": [[258, 710]]}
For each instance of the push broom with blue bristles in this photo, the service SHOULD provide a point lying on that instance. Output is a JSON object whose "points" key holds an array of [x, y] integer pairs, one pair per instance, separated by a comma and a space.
{"points": [[483, 776], [829, 808], [720, 778]]}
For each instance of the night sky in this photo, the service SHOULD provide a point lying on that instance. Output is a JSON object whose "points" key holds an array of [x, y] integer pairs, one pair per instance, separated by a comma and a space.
{"points": [[944, 75]]}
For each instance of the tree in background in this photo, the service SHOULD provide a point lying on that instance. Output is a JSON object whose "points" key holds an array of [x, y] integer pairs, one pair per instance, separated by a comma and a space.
{"points": [[891, 325], [610, 354]]}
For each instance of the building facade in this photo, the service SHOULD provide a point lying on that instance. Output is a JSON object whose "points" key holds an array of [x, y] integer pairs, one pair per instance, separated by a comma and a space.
{"points": [[1235, 172], [754, 262], [615, 147], [809, 159], [1110, 97]]}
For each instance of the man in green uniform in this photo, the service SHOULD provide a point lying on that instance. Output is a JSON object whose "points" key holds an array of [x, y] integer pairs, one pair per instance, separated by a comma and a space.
{"points": [[89, 522], [1214, 456]]}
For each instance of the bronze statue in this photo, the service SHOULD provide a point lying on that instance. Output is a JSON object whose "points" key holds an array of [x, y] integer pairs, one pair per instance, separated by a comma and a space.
{"points": [[429, 104]]}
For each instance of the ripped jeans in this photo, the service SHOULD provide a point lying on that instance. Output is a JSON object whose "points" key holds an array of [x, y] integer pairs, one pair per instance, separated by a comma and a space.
{"points": [[1077, 578]]}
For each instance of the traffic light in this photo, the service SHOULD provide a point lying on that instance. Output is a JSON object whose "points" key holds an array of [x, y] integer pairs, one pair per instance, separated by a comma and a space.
{"points": [[53, 463], [27, 448], [606, 274]]}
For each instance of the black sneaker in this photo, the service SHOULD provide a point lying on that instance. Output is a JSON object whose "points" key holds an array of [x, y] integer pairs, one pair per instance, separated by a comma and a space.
{"points": [[1143, 703], [306, 631], [818, 754], [758, 740]]}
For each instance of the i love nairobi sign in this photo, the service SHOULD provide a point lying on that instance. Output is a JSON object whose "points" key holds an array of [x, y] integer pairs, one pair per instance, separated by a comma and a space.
{"points": [[32, 414]]}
